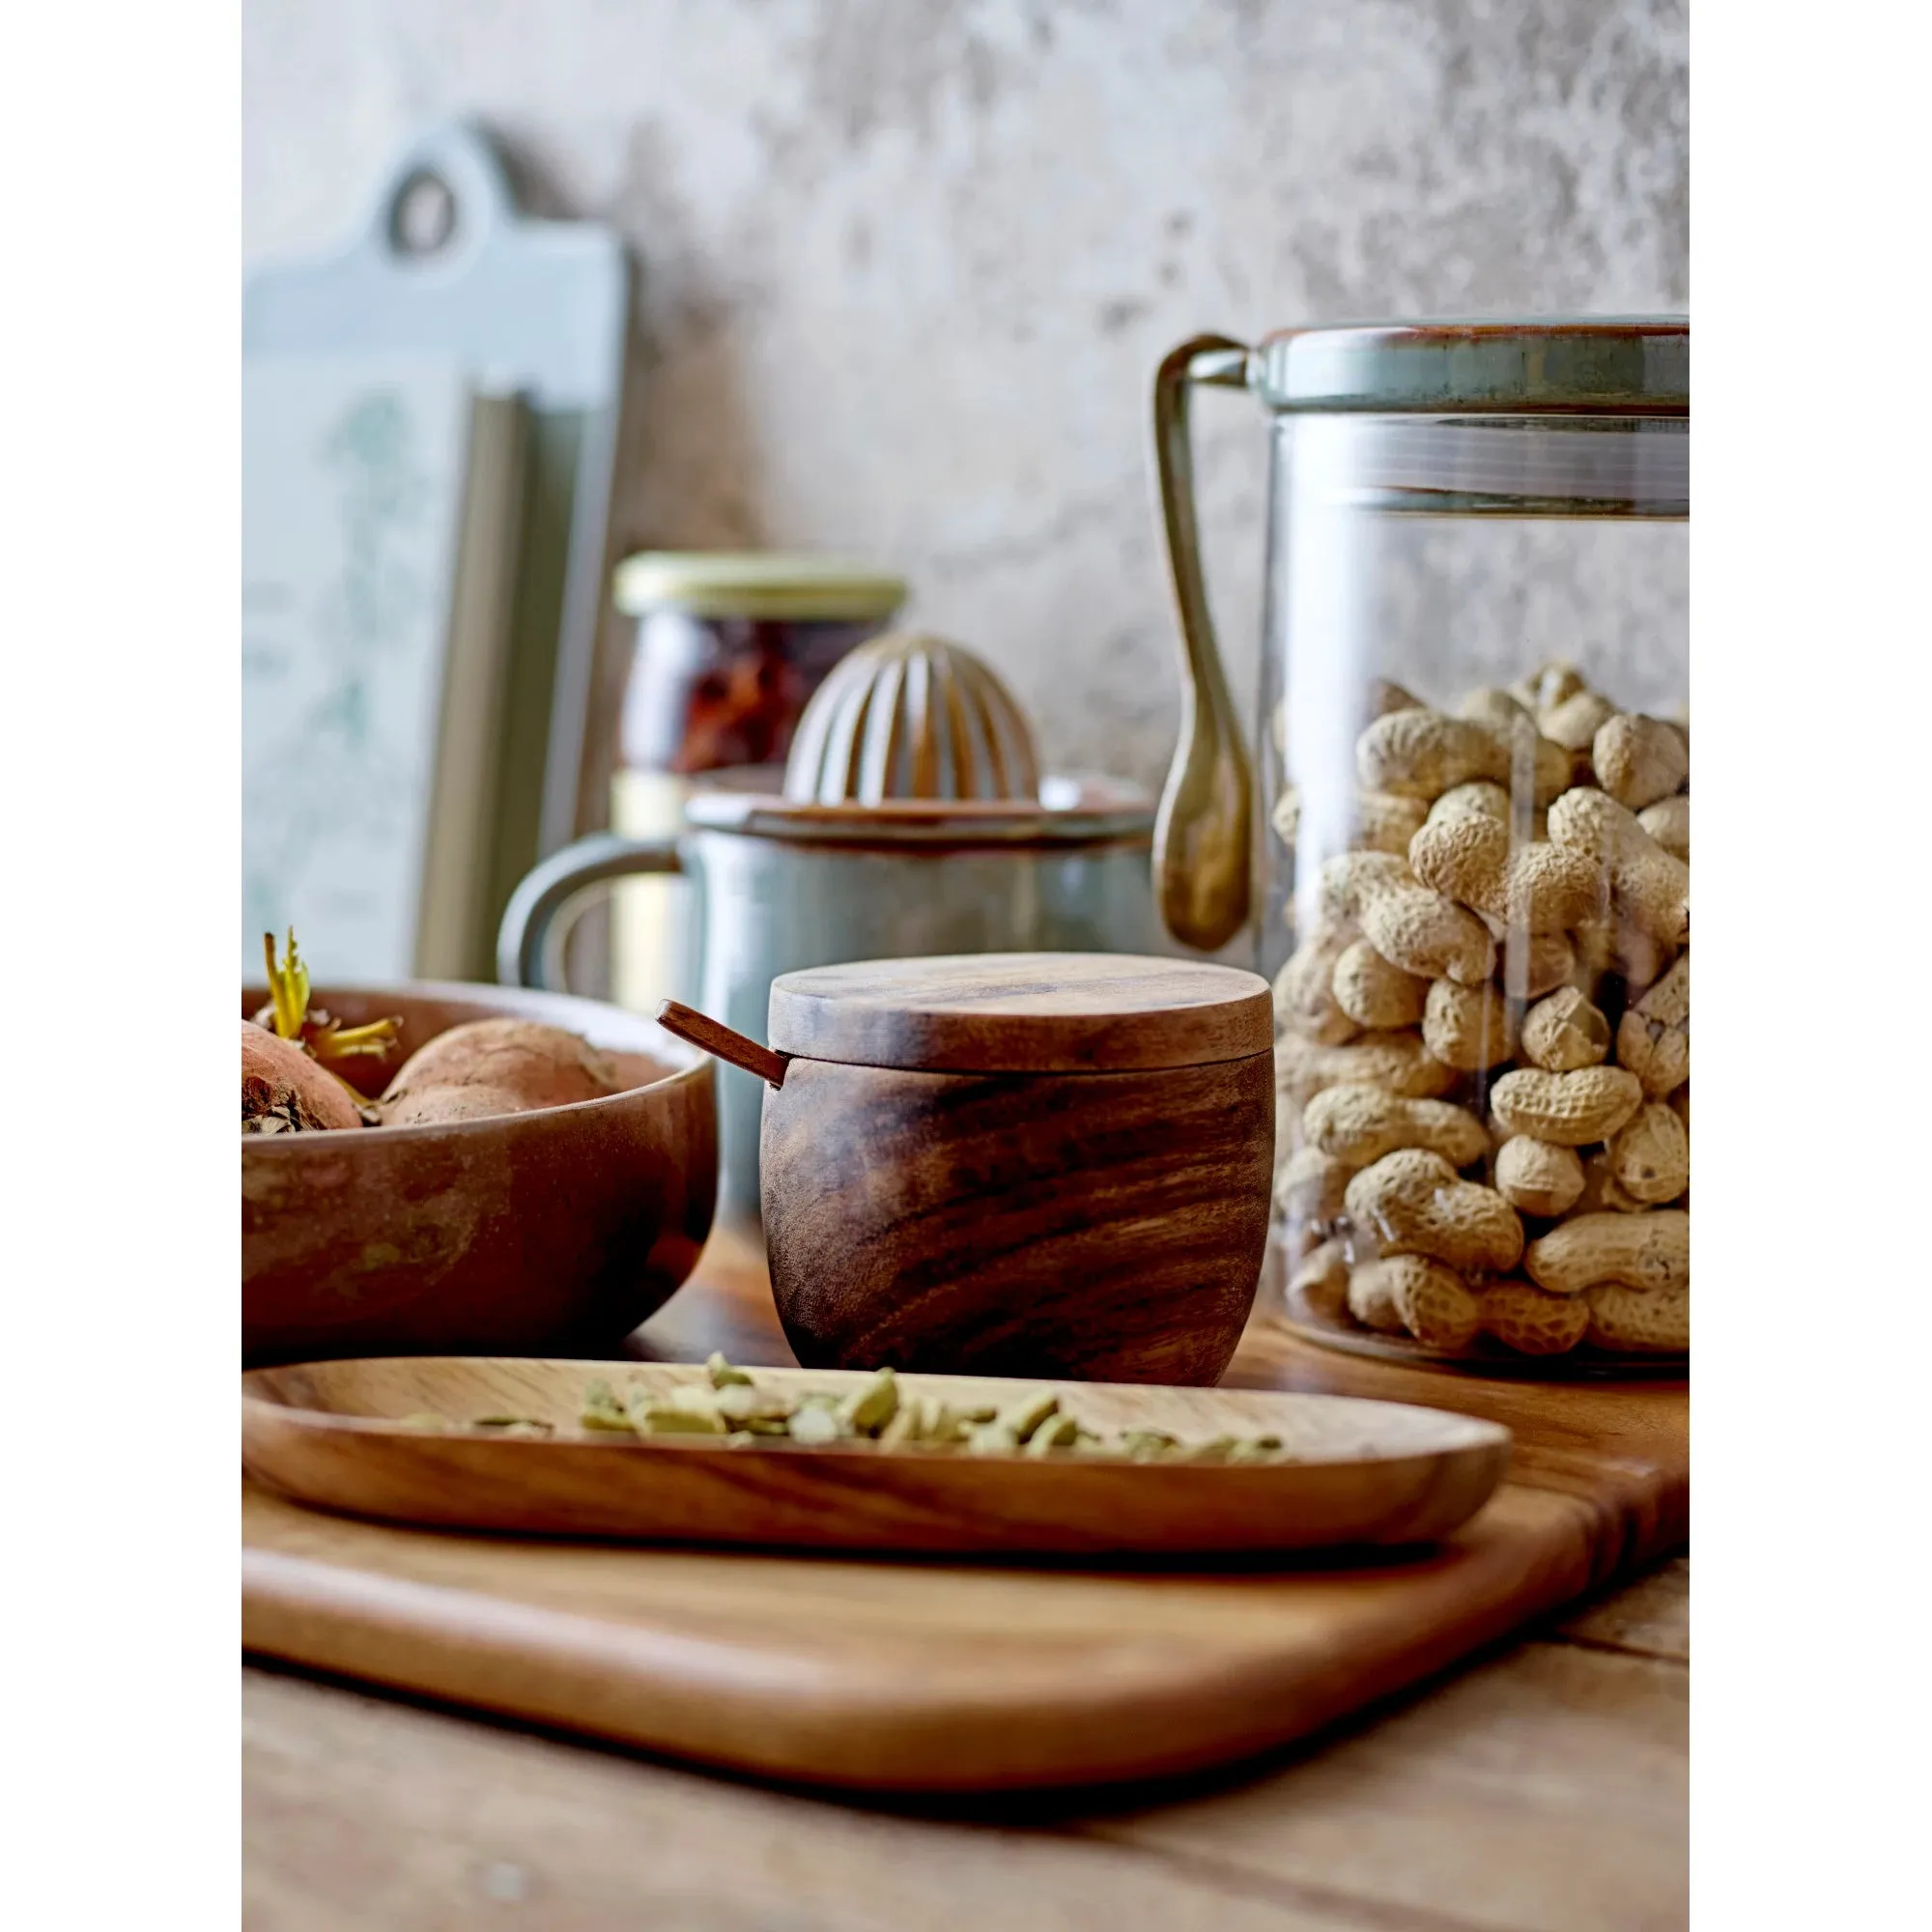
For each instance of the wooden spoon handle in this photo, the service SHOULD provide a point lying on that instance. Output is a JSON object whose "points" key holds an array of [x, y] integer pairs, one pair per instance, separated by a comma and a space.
{"points": [[716, 1038]]}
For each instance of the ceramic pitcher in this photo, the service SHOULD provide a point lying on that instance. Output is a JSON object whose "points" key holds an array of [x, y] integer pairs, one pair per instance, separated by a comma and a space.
{"points": [[782, 885]]}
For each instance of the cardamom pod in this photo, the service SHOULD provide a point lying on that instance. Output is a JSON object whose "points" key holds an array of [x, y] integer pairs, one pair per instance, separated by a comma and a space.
{"points": [[992, 1438], [1057, 1432], [664, 1419], [602, 1409], [873, 1404], [1026, 1414]]}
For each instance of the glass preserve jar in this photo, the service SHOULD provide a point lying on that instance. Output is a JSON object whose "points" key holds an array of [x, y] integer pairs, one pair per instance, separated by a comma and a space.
{"points": [[1468, 876], [730, 648]]}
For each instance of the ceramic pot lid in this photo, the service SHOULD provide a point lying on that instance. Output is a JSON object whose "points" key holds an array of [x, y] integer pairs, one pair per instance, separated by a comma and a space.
{"points": [[1022, 1012], [1068, 813]]}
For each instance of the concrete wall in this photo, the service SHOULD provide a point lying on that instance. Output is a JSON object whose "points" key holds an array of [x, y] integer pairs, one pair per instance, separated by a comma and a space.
{"points": [[908, 264]]}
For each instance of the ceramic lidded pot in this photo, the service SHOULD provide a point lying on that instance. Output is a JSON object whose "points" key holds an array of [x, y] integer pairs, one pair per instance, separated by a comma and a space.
{"points": [[1022, 1164], [913, 820]]}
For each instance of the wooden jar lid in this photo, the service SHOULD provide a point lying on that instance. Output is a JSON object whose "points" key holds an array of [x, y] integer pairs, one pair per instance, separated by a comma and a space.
{"points": [[1022, 1012]]}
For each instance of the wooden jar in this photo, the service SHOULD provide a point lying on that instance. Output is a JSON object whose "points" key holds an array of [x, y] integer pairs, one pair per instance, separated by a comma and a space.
{"points": [[1018, 1164]]}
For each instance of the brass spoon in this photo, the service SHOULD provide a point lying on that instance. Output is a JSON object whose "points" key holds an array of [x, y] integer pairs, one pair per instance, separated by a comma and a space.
{"points": [[1202, 834]]}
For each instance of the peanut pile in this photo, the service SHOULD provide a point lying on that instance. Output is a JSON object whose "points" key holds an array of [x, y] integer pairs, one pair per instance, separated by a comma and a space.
{"points": [[1484, 1043]]}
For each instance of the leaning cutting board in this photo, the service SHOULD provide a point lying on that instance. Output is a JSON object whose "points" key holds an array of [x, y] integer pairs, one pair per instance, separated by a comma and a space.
{"points": [[527, 304], [937, 1675]]}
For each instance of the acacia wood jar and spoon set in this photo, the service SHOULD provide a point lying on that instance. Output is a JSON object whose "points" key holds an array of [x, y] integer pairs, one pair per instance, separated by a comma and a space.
{"points": [[975, 1166], [970, 1162], [1023, 1164]]}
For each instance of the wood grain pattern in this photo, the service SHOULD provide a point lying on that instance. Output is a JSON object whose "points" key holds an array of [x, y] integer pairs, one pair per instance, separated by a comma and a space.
{"points": [[885, 1675], [1537, 1793], [1651, 1618], [898, 1675], [714, 1037], [1364, 1473], [1022, 1012], [1106, 1227], [1547, 1789], [363, 1815], [557, 1229]]}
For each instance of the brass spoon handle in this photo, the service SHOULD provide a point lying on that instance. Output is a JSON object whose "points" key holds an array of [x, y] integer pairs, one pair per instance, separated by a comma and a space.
{"points": [[1202, 834], [723, 1041]]}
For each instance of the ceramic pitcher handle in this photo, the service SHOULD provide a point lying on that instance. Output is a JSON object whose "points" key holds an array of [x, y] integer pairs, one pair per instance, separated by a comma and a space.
{"points": [[1202, 834], [524, 955]]}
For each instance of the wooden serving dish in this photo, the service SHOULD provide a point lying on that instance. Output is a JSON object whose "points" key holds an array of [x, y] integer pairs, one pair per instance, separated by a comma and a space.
{"points": [[1032, 1164], [558, 1228], [335, 1433]]}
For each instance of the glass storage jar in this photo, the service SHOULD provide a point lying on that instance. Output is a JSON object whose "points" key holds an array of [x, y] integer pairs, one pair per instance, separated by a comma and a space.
{"points": [[730, 648], [1469, 873]]}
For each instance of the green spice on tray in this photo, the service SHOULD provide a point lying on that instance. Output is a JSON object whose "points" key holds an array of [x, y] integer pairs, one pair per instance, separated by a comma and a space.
{"points": [[815, 1427], [603, 1410], [729, 1407], [871, 1407]]}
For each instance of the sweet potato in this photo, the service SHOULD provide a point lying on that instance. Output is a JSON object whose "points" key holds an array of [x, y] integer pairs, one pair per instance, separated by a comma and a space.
{"points": [[496, 1066], [283, 1090], [290, 1019], [343, 1050]]}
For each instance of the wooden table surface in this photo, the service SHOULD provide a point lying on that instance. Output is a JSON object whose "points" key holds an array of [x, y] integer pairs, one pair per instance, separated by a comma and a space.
{"points": [[1542, 1788]]}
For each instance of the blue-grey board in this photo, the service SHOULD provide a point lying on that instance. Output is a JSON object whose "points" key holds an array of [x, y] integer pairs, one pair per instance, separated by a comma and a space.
{"points": [[446, 265]]}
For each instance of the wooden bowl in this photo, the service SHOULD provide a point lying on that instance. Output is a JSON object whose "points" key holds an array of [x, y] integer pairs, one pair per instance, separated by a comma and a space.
{"points": [[1048, 1165], [558, 1230]]}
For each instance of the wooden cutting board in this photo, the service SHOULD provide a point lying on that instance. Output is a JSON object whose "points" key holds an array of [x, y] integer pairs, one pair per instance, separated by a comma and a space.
{"points": [[528, 305], [923, 1675]]}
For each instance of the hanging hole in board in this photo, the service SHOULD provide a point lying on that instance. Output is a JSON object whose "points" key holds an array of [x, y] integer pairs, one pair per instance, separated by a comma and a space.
{"points": [[422, 219]]}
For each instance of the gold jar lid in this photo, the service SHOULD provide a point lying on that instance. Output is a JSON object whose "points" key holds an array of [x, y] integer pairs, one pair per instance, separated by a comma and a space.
{"points": [[773, 585]]}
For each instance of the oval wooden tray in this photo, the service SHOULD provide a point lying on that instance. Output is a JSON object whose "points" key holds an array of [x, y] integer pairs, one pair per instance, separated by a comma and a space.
{"points": [[1483, 1358], [333, 1433]]}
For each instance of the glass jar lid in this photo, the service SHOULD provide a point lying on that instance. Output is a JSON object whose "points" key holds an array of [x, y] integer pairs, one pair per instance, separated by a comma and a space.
{"points": [[1611, 365], [800, 586]]}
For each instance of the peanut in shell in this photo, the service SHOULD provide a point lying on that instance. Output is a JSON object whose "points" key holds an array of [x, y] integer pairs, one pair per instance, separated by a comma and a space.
{"points": [[1649, 1252], [1574, 1110]]}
